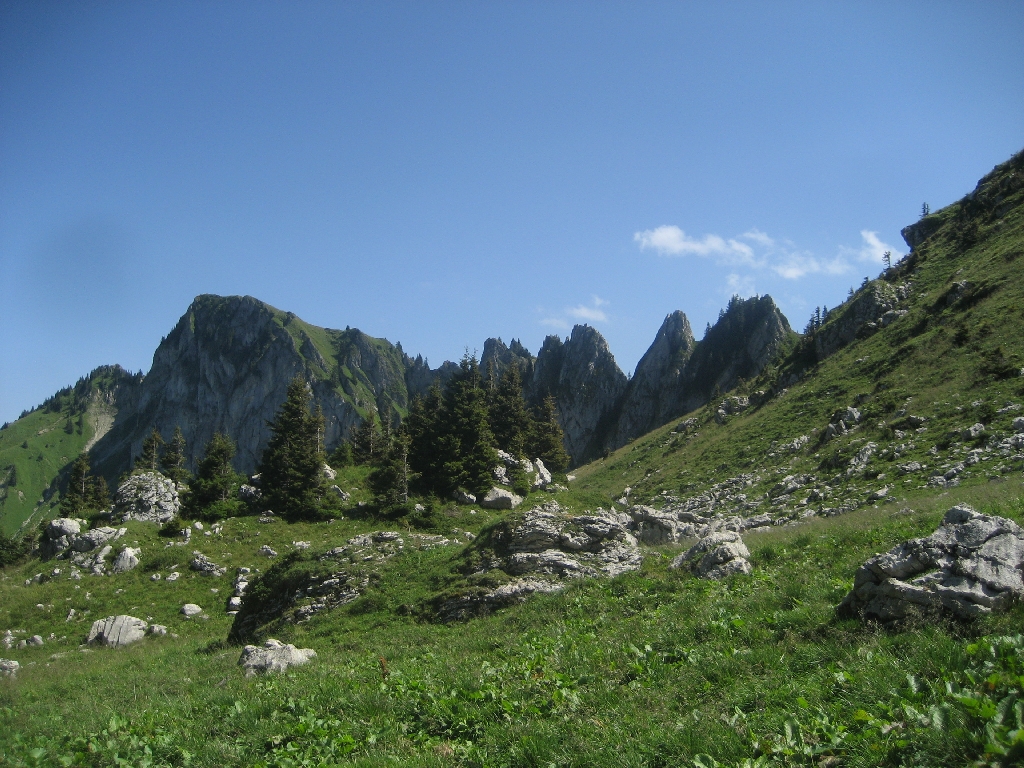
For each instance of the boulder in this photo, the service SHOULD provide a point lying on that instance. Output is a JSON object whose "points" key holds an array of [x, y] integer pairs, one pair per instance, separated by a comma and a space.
{"points": [[328, 473], [716, 556], [499, 498], [462, 497], [205, 566], [9, 667], [274, 656], [62, 526], [1018, 424], [117, 631], [157, 629], [542, 477], [267, 551], [973, 432], [147, 496], [653, 527], [342, 495], [126, 560], [251, 494], [971, 566], [191, 609]]}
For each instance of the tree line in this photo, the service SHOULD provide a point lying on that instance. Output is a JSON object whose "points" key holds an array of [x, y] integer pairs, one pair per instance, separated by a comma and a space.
{"points": [[448, 442]]}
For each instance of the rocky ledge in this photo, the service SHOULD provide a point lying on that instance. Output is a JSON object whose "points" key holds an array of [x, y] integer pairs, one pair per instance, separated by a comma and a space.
{"points": [[971, 566]]}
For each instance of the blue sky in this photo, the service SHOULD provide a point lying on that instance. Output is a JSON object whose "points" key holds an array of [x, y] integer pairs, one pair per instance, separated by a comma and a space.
{"points": [[437, 173]]}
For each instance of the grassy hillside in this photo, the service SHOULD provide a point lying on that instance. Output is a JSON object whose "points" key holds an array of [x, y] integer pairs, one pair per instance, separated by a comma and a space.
{"points": [[37, 450], [651, 668]]}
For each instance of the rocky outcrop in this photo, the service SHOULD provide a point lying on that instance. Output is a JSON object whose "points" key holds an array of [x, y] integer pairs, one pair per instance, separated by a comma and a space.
{"points": [[274, 656], [972, 565], [539, 551], [148, 496], [587, 384], [716, 556], [677, 374], [117, 631], [866, 312], [653, 395], [226, 366]]}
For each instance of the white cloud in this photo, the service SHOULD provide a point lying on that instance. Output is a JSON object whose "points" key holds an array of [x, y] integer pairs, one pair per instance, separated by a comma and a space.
{"points": [[670, 240], [583, 312], [592, 314], [873, 249], [740, 286], [759, 237], [555, 322], [795, 265]]}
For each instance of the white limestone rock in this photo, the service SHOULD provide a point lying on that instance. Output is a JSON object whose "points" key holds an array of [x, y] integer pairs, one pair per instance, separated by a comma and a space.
{"points": [[191, 609], [274, 656], [972, 565], [127, 559], [716, 556], [147, 496], [117, 631], [499, 498]]}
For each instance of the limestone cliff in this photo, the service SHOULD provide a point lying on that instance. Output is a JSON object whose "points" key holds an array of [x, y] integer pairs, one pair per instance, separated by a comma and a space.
{"points": [[677, 374], [652, 398], [226, 366], [587, 385]]}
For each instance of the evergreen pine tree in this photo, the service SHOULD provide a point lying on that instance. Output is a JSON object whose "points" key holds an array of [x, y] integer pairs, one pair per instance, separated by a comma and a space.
{"points": [[150, 458], [341, 456], [366, 441], [73, 502], [507, 413], [389, 481], [546, 437], [173, 461], [422, 428], [212, 492], [292, 479], [466, 442], [96, 494]]}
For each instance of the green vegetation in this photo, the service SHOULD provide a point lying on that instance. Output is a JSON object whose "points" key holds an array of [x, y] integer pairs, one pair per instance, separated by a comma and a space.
{"points": [[213, 493], [291, 469], [651, 668]]}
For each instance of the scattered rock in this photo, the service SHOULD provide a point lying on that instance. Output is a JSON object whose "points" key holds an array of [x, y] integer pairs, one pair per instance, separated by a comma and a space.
{"points": [[973, 432], [1018, 424], [147, 496], [251, 494], [969, 567], [328, 473], [716, 556], [205, 566], [117, 631], [462, 497], [267, 551], [127, 559], [191, 609], [543, 476], [274, 656], [499, 498], [9, 667], [158, 629], [342, 495]]}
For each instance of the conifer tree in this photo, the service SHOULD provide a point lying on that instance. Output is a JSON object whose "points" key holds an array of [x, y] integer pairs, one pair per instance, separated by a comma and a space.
{"points": [[173, 461], [341, 456], [547, 438], [292, 479], [73, 502], [366, 441], [212, 492], [466, 441], [389, 481], [507, 413], [150, 458], [97, 496], [422, 429]]}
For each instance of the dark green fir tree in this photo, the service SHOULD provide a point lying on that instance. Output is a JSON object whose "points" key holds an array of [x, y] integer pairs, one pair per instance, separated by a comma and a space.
{"points": [[149, 460], [546, 437], [291, 470], [173, 461], [213, 492]]}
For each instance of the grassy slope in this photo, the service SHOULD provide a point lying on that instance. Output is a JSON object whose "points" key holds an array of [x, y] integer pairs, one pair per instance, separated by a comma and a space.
{"points": [[649, 669]]}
